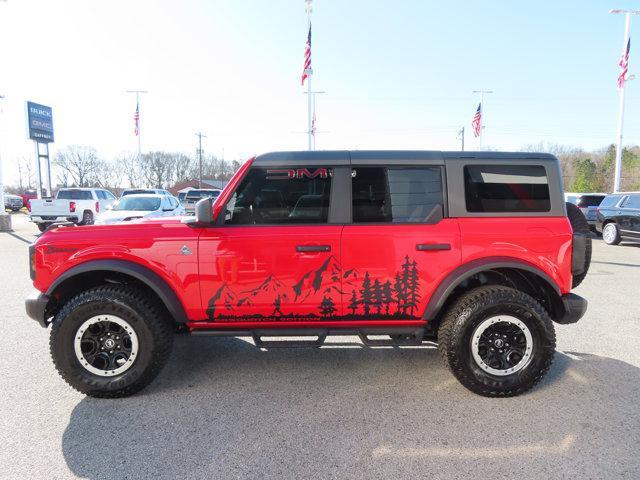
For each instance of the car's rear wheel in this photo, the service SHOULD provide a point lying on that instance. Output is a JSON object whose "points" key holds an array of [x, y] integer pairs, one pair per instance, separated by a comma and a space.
{"points": [[110, 341], [497, 341], [611, 234], [87, 218]]}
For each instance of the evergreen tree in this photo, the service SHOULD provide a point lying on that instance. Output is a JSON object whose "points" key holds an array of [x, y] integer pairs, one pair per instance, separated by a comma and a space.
{"points": [[327, 307], [366, 295], [387, 296], [377, 295], [414, 288], [353, 304], [397, 290]]}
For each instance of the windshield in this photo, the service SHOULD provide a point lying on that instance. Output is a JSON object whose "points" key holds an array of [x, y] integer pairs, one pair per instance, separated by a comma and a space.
{"points": [[137, 203], [193, 194]]}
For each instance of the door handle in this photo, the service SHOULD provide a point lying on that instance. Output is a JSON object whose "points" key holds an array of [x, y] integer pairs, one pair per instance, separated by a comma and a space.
{"points": [[313, 248], [427, 247]]}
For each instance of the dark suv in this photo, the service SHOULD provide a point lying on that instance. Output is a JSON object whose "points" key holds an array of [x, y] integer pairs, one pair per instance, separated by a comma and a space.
{"points": [[618, 217], [475, 251]]}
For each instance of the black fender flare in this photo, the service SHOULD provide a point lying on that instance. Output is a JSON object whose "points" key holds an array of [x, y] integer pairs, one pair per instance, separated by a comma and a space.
{"points": [[463, 272], [135, 270]]}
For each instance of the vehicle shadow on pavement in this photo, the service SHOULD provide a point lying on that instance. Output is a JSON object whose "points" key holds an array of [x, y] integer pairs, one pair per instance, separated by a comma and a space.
{"points": [[224, 409]]}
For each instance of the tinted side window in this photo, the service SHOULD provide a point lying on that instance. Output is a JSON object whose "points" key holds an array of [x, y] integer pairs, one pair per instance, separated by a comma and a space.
{"points": [[506, 188], [281, 196], [590, 200], [632, 202], [610, 201], [396, 195]]}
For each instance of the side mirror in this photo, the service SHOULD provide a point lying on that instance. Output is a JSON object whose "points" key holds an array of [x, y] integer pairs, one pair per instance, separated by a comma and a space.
{"points": [[204, 212]]}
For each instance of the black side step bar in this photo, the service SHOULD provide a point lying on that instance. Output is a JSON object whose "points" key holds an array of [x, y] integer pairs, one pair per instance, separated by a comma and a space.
{"points": [[398, 336]]}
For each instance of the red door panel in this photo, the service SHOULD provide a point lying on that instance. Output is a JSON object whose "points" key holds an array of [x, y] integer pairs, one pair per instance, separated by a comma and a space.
{"points": [[391, 271], [274, 273]]}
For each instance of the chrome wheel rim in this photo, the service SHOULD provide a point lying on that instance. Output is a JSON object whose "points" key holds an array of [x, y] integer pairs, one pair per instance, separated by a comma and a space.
{"points": [[609, 233], [106, 345], [502, 345]]}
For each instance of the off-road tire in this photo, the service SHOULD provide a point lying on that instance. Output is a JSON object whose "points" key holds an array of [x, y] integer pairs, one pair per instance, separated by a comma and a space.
{"points": [[472, 308], [43, 226], [87, 218], [154, 333], [580, 225], [616, 239]]}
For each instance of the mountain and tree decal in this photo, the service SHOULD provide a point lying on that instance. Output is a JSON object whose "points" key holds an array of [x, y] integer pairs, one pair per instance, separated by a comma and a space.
{"points": [[366, 298]]}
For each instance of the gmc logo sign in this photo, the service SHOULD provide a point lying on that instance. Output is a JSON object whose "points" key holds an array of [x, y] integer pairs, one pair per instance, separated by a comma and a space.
{"points": [[297, 173]]}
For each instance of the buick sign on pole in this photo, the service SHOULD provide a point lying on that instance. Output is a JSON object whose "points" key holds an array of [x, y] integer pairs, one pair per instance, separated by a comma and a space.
{"points": [[40, 120], [40, 126]]}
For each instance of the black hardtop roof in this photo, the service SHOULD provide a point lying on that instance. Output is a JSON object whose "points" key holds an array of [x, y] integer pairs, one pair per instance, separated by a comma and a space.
{"points": [[346, 157]]}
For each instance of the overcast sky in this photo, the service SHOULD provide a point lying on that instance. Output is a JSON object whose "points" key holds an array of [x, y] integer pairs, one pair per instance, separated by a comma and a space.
{"points": [[398, 75]]}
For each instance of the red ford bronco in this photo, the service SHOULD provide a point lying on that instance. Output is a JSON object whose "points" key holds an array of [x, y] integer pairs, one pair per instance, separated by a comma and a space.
{"points": [[477, 252]]}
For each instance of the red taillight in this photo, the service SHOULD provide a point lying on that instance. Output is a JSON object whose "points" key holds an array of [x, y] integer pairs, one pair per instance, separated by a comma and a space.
{"points": [[97, 207], [72, 207]]}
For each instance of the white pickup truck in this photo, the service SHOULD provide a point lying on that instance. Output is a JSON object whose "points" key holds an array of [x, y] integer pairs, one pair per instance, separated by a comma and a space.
{"points": [[77, 205]]}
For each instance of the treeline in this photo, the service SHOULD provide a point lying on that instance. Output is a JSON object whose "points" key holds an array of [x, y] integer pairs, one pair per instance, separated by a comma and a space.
{"points": [[593, 171], [82, 166]]}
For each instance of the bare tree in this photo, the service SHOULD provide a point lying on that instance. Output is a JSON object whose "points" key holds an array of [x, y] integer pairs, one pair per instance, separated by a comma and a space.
{"points": [[131, 167], [80, 162], [25, 173], [158, 169], [182, 168]]}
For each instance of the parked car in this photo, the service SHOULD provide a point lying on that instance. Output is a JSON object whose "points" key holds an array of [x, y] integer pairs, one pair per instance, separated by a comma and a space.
{"points": [[135, 191], [12, 202], [77, 205], [587, 203], [27, 196], [618, 218], [194, 196], [137, 206], [475, 251]]}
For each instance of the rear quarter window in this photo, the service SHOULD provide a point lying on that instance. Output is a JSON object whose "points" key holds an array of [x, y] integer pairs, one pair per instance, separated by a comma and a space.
{"points": [[506, 188]]}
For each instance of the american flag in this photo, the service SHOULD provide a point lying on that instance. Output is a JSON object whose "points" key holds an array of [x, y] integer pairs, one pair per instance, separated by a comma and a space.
{"points": [[476, 123], [136, 121], [624, 64], [307, 57]]}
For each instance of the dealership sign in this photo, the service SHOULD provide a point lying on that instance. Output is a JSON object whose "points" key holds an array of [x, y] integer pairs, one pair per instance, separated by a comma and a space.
{"points": [[40, 122]]}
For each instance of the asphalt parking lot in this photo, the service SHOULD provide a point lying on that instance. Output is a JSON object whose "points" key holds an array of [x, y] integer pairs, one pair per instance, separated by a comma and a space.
{"points": [[224, 409]]}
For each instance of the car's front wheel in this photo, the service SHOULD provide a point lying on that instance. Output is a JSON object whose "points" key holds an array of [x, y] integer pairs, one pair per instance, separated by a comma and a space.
{"points": [[497, 341], [110, 341], [611, 234]]}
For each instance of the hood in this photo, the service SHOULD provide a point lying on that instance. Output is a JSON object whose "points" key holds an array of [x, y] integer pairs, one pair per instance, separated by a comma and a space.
{"points": [[115, 216]]}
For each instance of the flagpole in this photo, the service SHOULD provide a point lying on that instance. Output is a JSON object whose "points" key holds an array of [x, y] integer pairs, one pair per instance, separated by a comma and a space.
{"points": [[138, 92], [481, 92], [618, 167], [309, 9]]}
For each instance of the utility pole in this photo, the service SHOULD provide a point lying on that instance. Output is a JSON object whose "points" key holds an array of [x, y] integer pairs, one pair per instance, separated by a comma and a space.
{"points": [[137, 118], [618, 170], [200, 136], [461, 137], [481, 92]]}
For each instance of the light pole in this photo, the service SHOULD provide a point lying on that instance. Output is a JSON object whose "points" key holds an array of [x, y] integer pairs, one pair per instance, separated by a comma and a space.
{"points": [[481, 92], [5, 220], [627, 25]]}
